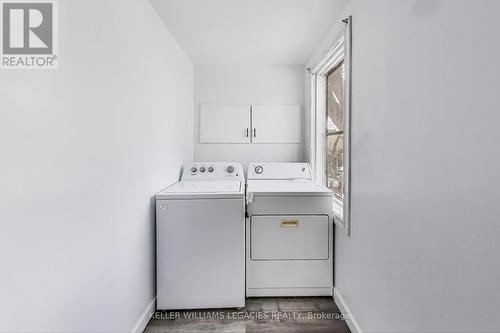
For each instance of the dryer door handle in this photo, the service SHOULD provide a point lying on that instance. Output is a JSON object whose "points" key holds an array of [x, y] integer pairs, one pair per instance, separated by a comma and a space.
{"points": [[289, 223]]}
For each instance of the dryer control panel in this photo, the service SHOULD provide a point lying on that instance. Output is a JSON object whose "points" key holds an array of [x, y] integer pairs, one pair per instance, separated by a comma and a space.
{"points": [[279, 171], [213, 171]]}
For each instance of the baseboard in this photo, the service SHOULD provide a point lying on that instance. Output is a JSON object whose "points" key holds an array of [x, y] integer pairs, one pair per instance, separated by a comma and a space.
{"points": [[143, 321], [351, 320]]}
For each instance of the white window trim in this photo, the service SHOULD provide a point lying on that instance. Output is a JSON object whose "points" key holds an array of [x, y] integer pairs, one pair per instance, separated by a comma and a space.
{"points": [[341, 51]]}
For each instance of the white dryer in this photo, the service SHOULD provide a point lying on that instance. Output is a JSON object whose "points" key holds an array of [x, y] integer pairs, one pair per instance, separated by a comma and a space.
{"points": [[200, 238], [289, 232]]}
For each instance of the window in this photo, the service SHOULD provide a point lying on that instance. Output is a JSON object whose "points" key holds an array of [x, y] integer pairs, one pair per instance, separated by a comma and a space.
{"points": [[335, 131], [330, 123]]}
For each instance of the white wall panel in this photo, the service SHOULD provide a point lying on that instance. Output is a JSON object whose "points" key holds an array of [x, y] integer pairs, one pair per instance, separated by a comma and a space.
{"points": [[425, 158], [84, 149]]}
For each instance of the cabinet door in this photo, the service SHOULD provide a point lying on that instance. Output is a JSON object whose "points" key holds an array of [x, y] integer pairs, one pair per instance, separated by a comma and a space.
{"points": [[224, 123], [276, 124]]}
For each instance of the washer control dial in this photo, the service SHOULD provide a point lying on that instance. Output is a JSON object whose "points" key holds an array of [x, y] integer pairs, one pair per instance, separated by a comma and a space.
{"points": [[194, 169], [259, 169], [202, 169], [210, 169], [230, 169]]}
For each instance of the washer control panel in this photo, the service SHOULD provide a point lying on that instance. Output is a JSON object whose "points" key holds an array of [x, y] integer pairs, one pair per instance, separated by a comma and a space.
{"points": [[279, 171], [212, 171]]}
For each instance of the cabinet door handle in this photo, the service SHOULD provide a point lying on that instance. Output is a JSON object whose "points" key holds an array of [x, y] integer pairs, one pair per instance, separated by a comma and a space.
{"points": [[254, 132], [247, 132]]}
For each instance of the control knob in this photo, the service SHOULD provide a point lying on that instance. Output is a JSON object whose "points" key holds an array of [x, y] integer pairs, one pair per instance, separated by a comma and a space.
{"points": [[193, 169], [210, 169], [259, 169], [202, 169], [230, 169]]}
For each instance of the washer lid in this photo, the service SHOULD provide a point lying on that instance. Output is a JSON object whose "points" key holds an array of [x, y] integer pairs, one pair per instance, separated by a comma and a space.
{"points": [[294, 187], [205, 187], [202, 189]]}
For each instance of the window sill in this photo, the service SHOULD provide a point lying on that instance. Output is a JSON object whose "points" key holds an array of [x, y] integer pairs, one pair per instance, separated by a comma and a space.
{"points": [[338, 216], [338, 210]]}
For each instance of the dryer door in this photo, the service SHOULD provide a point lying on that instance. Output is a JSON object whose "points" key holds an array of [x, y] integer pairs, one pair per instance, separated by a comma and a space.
{"points": [[292, 237]]}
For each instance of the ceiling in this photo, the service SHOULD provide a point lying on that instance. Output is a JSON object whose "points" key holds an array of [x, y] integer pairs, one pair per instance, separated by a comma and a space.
{"points": [[261, 32]]}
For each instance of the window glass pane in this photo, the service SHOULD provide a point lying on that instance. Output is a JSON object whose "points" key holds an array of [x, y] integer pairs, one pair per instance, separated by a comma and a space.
{"points": [[335, 164], [335, 99]]}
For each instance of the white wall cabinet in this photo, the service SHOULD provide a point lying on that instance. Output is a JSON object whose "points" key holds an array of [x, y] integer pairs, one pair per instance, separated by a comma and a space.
{"points": [[276, 124], [220, 123], [224, 123]]}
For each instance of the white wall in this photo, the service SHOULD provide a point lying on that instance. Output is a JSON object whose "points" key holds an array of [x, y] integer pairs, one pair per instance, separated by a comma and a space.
{"points": [[424, 250], [84, 149], [247, 85]]}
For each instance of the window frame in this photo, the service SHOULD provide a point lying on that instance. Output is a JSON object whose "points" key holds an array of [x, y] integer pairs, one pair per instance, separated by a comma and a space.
{"points": [[328, 133], [338, 53]]}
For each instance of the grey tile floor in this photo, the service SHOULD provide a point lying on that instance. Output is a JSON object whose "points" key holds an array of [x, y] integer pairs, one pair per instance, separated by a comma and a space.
{"points": [[277, 315]]}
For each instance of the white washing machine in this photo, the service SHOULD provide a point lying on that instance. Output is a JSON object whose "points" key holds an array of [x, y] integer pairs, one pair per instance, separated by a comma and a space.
{"points": [[289, 232], [200, 238]]}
